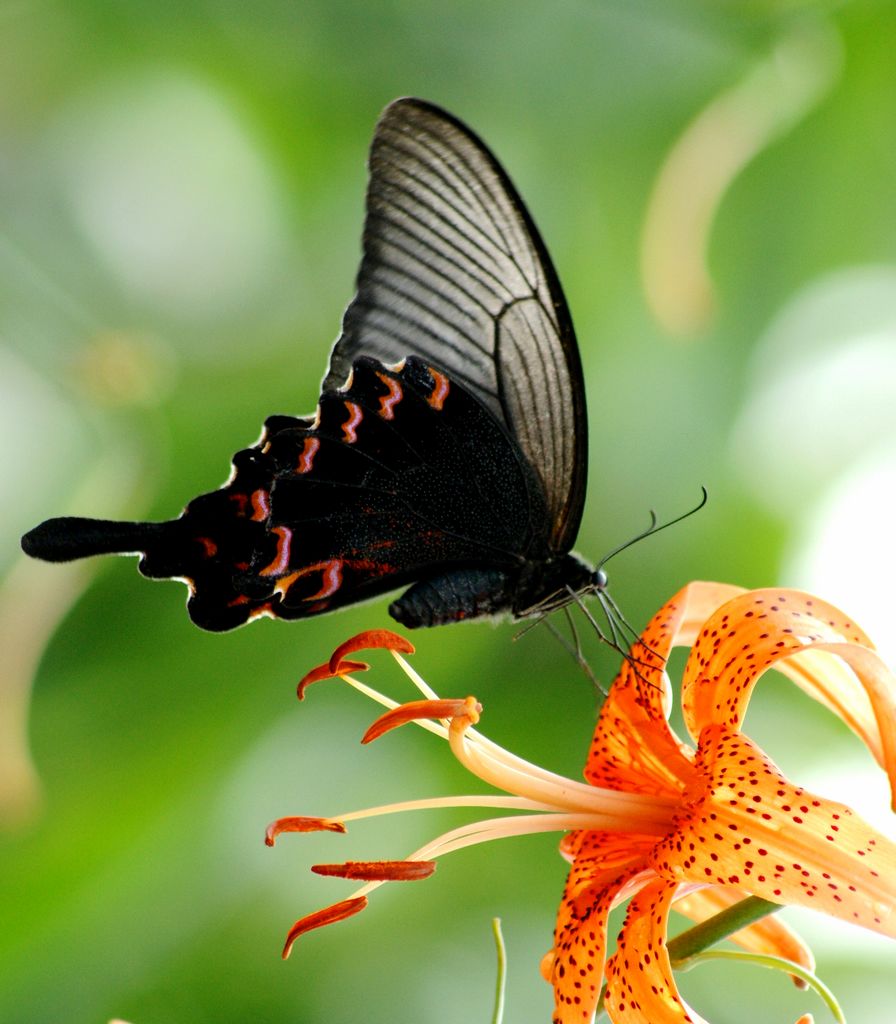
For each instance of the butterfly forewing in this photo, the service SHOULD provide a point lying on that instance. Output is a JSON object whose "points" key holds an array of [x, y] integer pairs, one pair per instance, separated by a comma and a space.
{"points": [[454, 271]]}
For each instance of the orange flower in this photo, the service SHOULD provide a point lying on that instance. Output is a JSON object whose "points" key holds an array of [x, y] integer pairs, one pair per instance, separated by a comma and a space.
{"points": [[661, 822]]}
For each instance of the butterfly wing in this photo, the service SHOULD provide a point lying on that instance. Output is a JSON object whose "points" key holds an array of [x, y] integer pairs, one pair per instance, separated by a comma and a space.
{"points": [[402, 475], [455, 272], [448, 449]]}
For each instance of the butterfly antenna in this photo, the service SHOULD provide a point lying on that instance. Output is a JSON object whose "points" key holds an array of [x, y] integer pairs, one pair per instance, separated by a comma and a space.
{"points": [[653, 528]]}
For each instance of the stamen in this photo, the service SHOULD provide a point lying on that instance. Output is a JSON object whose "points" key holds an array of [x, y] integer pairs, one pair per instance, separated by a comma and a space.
{"points": [[370, 638], [296, 823], [468, 709], [328, 671], [517, 803], [500, 768], [329, 915], [529, 824], [378, 870], [514, 775], [415, 677]]}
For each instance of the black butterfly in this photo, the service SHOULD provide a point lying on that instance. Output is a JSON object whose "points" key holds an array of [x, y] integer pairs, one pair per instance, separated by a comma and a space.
{"points": [[449, 447]]}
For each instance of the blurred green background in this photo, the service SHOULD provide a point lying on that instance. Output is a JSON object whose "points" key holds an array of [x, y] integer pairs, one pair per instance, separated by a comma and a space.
{"points": [[182, 189]]}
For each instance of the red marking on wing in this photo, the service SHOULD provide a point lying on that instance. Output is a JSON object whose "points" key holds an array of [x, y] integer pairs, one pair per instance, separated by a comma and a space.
{"points": [[281, 560], [350, 427], [306, 459], [240, 501], [439, 391], [332, 579], [388, 402], [261, 505], [209, 547]]}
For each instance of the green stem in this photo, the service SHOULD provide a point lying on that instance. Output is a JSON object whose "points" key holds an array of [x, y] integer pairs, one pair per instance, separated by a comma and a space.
{"points": [[714, 929], [777, 963], [501, 983]]}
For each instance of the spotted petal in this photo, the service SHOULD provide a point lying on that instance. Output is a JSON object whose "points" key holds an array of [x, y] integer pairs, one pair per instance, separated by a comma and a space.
{"points": [[640, 985], [756, 630], [745, 825], [605, 868]]}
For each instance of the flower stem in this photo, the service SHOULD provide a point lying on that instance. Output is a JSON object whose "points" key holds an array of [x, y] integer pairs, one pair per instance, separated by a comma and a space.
{"points": [[714, 929], [501, 982], [777, 963]]}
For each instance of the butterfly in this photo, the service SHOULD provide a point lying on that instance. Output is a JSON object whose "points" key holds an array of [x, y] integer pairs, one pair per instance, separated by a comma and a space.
{"points": [[448, 452]]}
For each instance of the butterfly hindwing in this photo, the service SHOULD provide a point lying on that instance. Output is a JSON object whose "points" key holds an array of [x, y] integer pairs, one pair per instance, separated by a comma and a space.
{"points": [[404, 475]]}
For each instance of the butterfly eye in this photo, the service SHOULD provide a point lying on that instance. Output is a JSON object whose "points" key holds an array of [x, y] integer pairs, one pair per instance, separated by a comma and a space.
{"points": [[599, 580]]}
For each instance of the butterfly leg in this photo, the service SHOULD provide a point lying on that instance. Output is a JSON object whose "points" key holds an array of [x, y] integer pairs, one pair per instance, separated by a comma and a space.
{"points": [[452, 596]]}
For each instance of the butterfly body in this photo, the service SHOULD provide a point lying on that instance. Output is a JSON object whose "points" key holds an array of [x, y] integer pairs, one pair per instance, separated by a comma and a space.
{"points": [[448, 451]]}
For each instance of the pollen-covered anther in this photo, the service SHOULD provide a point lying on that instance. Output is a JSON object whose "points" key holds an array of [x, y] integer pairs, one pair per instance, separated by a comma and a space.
{"points": [[328, 671], [467, 709], [370, 639], [378, 870], [296, 823], [329, 915]]}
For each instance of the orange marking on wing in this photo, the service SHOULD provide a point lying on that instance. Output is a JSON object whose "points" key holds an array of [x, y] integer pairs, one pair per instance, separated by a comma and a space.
{"points": [[285, 582], [261, 505], [388, 402], [332, 579], [209, 547], [306, 459], [331, 572], [350, 427], [440, 390], [281, 560]]}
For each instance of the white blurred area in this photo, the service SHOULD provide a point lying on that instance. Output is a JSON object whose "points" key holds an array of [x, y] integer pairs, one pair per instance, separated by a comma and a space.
{"points": [[165, 179], [816, 442]]}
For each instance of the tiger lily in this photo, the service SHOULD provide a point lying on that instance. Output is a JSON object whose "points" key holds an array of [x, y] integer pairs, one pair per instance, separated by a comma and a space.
{"points": [[661, 822]]}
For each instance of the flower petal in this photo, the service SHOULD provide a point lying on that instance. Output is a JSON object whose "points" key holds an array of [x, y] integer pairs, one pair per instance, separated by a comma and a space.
{"points": [[605, 865], [747, 826], [755, 631], [640, 985], [633, 747]]}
